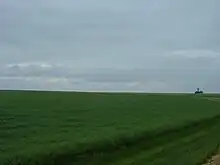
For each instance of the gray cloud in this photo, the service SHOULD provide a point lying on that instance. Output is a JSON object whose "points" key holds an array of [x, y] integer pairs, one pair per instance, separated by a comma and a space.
{"points": [[150, 46]]}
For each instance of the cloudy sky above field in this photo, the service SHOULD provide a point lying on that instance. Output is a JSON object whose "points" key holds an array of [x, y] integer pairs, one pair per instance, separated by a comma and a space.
{"points": [[110, 45]]}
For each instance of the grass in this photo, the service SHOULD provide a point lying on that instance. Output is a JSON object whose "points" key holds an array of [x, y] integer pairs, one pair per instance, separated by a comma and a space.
{"points": [[40, 127]]}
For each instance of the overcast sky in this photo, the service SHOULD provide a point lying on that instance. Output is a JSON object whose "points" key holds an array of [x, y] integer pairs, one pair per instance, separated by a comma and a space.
{"points": [[110, 45]]}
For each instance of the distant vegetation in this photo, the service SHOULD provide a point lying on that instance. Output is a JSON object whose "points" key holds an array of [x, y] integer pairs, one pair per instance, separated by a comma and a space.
{"points": [[49, 128]]}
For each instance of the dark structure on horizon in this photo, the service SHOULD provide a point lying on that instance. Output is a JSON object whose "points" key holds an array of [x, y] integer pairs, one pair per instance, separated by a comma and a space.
{"points": [[198, 91]]}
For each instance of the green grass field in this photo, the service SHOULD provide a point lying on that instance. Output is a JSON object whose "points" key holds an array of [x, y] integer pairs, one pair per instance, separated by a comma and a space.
{"points": [[48, 128]]}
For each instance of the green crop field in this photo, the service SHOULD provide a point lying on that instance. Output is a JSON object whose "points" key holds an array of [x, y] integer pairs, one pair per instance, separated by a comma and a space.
{"points": [[70, 128]]}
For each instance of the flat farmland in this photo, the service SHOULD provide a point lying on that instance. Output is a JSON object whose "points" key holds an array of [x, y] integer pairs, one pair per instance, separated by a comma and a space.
{"points": [[49, 128]]}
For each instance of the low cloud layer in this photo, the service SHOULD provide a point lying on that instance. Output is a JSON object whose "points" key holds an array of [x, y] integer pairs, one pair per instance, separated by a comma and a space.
{"points": [[143, 46]]}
